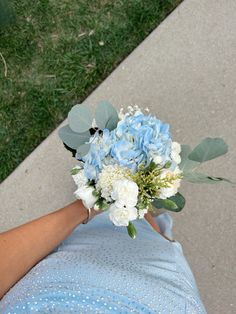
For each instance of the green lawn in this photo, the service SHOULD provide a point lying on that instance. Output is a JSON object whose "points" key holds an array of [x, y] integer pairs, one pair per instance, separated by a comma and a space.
{"points": [[56, 53]]}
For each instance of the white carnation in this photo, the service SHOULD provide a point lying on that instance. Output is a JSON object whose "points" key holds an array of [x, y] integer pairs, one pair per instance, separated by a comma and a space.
{"points": [[80, 178], [120, 215], [173, 184], [175, 152], [125, 192], [85, 193], [110, 174]]}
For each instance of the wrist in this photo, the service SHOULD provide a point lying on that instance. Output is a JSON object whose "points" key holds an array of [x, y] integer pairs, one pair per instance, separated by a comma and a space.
{"points": [[75, 212], [91, 213]]}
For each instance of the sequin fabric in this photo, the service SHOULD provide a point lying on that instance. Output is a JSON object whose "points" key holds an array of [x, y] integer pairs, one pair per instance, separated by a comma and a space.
{"points": [[99, 269]]}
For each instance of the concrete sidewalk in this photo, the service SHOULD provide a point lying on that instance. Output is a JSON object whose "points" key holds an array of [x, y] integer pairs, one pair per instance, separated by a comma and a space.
{"points": [[185, 72]]}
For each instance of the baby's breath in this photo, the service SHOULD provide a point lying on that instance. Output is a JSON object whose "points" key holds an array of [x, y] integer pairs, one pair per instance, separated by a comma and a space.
{"points": [[108, 175]]}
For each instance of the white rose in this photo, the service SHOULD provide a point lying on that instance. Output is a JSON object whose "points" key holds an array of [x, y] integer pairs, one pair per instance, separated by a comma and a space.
{"points": [[142, 212], [85, 193], [80, 178], [121, 215], [175, 152], [125, 192], [173, 186]]}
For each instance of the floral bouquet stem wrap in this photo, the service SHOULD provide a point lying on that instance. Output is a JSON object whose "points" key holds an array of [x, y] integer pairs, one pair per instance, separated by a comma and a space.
{"points": [[128, 163]]}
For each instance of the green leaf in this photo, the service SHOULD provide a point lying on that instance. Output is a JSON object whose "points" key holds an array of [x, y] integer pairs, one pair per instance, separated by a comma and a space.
{"points": [[131, 230], [91, 183], [179, 200], [168, 165], [95, 193], [186, 165], [83, 149], [80, 118], [106, 116], [174, 203], [102, 204], [71, 138], [198, 177], [208, 149], [74, 171], [150, 167], [167, 204], [141, 205]]}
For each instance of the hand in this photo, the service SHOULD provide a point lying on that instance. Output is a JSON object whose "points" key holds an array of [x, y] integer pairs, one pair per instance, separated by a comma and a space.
{"points": [[152, 222], [147, 216], [155, 226]]}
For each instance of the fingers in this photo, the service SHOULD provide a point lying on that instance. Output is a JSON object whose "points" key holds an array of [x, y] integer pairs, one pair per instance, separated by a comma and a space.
{"points": [[152, 222]]}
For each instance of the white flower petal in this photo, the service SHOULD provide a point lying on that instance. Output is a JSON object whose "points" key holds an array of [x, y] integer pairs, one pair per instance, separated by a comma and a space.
{"points": [[85, 194], [108, 176], [120, 216], [176, 147], [125, 192], [80, 178], [176, 157], [173, 186]]}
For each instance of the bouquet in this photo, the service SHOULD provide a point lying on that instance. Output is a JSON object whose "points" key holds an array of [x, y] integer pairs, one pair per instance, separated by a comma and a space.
{"points": [[129, 164]]}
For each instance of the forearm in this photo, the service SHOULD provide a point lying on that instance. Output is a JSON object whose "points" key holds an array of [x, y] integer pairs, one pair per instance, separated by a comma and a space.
{"points": [[22, 247]]}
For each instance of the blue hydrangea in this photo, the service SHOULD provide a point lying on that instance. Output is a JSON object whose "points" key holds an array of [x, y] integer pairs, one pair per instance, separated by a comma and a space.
{"points": [[136, 140], [100, 148]]}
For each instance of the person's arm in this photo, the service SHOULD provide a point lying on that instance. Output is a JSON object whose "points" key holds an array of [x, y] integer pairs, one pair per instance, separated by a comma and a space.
{"points": [[24, 246]]}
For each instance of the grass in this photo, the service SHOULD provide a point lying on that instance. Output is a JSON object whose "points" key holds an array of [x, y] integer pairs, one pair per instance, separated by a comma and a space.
{"points": [[56, 53]]}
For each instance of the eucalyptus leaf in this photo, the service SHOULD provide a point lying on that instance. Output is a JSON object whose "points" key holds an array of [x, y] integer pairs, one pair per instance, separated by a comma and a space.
{"points": [[179, 200], [131, 230], [166, 203], [198, 177], [80, 118], [186, 164], [174, 203], [83, 149], [208, 149], [106, 116], [71, 138]]}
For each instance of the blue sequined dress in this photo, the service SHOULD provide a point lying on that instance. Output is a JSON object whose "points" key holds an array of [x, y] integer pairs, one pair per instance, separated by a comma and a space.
{"points": [[100, 269]]}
